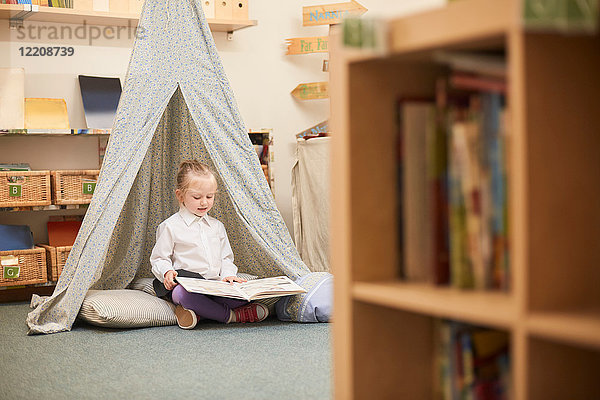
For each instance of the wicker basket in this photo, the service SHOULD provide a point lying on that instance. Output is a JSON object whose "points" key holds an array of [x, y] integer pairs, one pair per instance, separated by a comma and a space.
{"points": [[32, 265], [73, 187], [25, 188], [56, 258]]}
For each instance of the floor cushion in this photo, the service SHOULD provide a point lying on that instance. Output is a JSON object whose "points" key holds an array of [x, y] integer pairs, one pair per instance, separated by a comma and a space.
{"points": [[137, 306], [126, 308]]}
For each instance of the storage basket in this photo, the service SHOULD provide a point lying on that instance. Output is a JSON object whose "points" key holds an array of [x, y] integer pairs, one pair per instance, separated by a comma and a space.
{"points": [[56, 258], [32, 267], [25, 188], [73, 187]]}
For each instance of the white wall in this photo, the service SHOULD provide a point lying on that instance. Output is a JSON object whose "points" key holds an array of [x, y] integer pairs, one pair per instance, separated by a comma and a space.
{"points": [[260, 73]]}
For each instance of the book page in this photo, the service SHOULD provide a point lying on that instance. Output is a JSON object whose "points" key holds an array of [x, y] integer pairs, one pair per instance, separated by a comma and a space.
{"points": [[270, 287], [251, 290], [212, 288]]}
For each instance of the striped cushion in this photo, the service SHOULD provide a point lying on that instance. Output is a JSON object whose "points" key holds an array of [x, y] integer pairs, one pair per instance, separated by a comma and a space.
{"points": [[143, 284], [126, 309]]}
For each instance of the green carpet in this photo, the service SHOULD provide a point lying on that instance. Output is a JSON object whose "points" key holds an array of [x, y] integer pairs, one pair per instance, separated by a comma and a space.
{"points": [[267, 360]]}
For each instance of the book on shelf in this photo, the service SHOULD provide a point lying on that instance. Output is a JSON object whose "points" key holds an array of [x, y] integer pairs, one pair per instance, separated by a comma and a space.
{"points": [[416, 118], [468, 81], [422, 192], [490, 64], [100, 96], [43, 3], [472, 362], [477, 193], [452, 189], [43, 113], [12, 98], [15, 237], [437, 180], [63, 230], [15, 167], [60, 3], [251, 290]]}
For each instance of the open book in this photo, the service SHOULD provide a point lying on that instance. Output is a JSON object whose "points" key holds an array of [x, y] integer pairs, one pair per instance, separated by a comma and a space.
{"points": [[251, 290]]}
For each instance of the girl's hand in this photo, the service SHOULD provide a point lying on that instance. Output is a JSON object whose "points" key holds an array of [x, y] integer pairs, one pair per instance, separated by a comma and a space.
{"points": [[170, 280], [232, 279]]}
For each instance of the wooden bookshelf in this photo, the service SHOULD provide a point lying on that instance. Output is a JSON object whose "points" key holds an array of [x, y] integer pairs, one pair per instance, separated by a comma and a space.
{"points": [[383, 329], [579, 328], [440, 302], [101, 18]]}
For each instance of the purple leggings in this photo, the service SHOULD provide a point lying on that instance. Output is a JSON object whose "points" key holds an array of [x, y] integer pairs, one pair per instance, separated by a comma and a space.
{"points": [[209, 307]]}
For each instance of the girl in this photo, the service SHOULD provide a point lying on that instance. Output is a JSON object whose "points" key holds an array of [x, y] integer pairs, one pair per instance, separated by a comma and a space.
{"points": [[191, 243]]}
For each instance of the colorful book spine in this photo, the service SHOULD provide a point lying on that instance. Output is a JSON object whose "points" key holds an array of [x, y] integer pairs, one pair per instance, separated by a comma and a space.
{"points": [[495, 142], [472, 362], [466, 195], [437, 177]]}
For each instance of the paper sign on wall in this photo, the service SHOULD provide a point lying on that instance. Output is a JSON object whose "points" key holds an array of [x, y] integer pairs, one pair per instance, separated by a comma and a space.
{"points": [[305, 45], [328, 14], [311, 91]]}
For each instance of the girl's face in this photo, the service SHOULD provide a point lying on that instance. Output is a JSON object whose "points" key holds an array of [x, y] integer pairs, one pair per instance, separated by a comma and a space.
{"points": [[199, 197]]}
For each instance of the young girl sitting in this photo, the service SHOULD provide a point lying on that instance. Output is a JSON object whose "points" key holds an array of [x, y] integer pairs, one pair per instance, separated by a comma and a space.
{"points": [[191, 243]]}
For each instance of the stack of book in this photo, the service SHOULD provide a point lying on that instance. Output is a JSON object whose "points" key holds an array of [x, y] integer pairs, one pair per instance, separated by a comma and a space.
{"points": [[15, 167], [452, 178]]}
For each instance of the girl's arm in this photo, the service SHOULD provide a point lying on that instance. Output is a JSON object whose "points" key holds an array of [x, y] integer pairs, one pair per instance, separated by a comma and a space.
{"points": [[228, 268], [160, 259]]}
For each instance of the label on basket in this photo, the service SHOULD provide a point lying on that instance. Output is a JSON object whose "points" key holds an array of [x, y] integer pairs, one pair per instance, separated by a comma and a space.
{"points": [[10, 267], [88, 186], [15, 190]]}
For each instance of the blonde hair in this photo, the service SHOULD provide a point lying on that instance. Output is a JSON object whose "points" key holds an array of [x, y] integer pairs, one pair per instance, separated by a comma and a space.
{"points": [[189, 169]]}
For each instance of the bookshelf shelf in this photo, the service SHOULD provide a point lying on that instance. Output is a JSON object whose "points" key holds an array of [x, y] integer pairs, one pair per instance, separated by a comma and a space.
{"points": [[74, 16], [50, 208], [9, 294], [53, 132], [551, 312], [488, 308], [578, 327], [490, 27], [220, 25], [10, 10]]}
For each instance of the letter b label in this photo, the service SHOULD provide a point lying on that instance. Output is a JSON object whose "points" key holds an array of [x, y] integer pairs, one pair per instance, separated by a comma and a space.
{"points": [[14, 190]]}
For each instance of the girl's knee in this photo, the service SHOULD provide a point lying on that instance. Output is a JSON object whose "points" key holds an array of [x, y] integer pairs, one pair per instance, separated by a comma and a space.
{"points": [[178, 294]]}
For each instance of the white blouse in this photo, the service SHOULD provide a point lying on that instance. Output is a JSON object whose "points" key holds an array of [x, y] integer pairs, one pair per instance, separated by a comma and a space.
{"points": [[196, 244]]}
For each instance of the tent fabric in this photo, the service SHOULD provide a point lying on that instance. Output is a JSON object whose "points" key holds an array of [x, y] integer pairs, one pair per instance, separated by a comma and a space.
{"points": [[310, 201], [315, 307], [176, 104]]}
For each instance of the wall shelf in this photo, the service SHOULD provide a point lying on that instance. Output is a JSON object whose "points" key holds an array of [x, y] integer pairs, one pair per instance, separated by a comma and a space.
{"points": [[54, 132]]}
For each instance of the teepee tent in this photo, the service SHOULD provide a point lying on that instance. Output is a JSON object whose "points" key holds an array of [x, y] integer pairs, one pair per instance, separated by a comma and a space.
{"points": [[176, 104]]}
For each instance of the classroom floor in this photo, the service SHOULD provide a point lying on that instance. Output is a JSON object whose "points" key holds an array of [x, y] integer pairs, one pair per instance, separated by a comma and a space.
{"points": [[268, 360]]}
